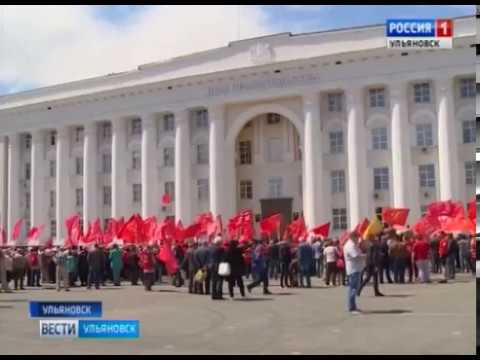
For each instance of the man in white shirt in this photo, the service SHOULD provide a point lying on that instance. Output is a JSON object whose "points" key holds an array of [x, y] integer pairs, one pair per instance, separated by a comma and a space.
{"points": [[354, 263], [330, 253]]}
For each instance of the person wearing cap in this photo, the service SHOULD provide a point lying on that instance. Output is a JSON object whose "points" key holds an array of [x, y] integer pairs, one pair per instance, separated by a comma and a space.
{"points": [[354, 265], [217, 256]]}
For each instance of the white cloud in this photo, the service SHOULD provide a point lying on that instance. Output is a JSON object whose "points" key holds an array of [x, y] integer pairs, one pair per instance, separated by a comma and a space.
{"points": [[44, 45]]}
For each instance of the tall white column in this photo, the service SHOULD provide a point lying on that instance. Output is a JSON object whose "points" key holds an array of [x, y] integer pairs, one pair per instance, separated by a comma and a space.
{"points": [[62, 182], [313, 203], [447, 145], [90, 186], [3, 181], [119, 170], [357, 157], [13, 182], [216, 159], [183, 180], [149, 166], [38, 215]]}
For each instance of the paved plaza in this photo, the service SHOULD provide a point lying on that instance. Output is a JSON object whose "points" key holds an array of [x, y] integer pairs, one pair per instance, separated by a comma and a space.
{"points": [[411, 319]]}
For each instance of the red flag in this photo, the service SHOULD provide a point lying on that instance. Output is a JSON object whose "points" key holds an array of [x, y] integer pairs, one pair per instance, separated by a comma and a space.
{"points": [[3, 237], [17, 228], [321, 230], [192, 231], [459, 224], [472, 210], [166, 199], [449, 209], [120, 223], [35, 232], [394, 216], [297, 229], [246, 234], [48, 244], [148, 228], [109, 233], [270, 224], [131, 231], [426, 226], [361, 227], [167, 256], [70, 221]]}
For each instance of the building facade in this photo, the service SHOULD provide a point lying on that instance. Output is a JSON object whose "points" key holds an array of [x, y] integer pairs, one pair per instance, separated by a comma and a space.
{"points": [[330, 125]]}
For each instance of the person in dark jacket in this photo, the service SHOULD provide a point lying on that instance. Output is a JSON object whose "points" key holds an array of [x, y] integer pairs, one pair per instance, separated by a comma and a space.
{"points": [[179, 256], [96, 265], [217, 256], [133, 269], [373, 265], [274, 259], [259, 268], [237, 268], [285, 254], [83, 266], [385, 259], [305, 262], [190, 266], [202, 261]]}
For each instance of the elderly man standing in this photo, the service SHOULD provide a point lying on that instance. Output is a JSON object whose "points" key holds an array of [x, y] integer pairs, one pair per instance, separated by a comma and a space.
{"points": [[217, 256], [354, 263]]}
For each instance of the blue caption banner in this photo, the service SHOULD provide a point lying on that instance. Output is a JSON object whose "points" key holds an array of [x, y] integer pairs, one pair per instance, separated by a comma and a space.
{"points": [[65, 309], [410, 28], [123, 329]]}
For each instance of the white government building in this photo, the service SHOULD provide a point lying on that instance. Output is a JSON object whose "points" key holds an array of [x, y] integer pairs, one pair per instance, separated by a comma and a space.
{"points": [[329, 125]]}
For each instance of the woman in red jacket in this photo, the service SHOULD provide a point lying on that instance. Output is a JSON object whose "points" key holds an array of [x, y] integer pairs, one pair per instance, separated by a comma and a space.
{"points": [[147, 263]]}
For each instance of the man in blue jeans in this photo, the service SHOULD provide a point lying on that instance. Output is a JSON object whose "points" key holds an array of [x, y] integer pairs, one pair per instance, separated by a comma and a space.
{"points": [[354, 264]]}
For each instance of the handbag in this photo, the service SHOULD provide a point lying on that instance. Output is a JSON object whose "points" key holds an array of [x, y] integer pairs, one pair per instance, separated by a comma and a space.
{"points": [[224, 269], [200, 276]]}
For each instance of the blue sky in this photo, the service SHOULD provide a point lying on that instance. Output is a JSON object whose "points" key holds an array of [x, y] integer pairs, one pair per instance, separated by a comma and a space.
{"points": [[95, 40]]}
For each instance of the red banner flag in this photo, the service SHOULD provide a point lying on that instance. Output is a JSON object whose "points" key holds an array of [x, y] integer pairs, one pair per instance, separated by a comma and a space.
{"points": [[448, 209], [148, 229], [17, 228], [167, 256], [361, 227], [321, 230], [35, 233], [394, 216], [166, 199], [472, 210], [297, 229], [459, 224], [132, 230], [109, 233], [270, 224], [192, 230], [426, 226]]}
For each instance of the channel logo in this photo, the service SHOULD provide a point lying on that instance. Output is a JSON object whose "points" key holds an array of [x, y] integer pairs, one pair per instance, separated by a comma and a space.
{"points": [[69, 309], [419, 33], [89, 329]]}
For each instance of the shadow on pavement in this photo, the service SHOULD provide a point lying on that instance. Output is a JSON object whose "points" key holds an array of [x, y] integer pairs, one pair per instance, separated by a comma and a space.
{"points": [[399, 295], [386, 312], [253, 299]]}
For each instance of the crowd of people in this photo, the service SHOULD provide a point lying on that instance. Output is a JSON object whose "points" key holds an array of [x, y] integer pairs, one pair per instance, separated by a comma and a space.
{"points": [[390, 256]]}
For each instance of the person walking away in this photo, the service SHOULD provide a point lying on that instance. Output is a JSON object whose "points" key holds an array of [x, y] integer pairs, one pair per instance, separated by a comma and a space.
{"points": [[71, 264], [330, 253], [190, 266], [373, 264], [133, 267], [202, 258], [3, 271], [237, 268], [61, 275], [259, 268], [318, 257], [83, 266], [147, 261], [116, 263], [96, 264], [452, 256], [305, 260], [179, 256], [354, 264], [34, 265], [340, 264], [420, 252], [464, 250], [384, 256], [217, 257], [285, 253], [19, 264], [274, 256], [434, 251]]}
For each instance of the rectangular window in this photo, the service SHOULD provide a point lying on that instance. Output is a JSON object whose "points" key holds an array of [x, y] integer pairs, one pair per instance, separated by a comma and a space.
{"points": [[201, 119], [107, 195], [79, 197], [379, 139], [168, 122], [424, 135], [202, 154], [28, 141], [470, 173], [339, 217], [28, 171], [427, 175], [421, 93], [334, 102], [78, 134], [380, 179], [106, 131], [107, 163], [469, 129], [169, 156], [273, 118], [338, 181], [52, 168], [336, 142], [79, 166], [52, 199], [170, 189], [53, 138], [245, 150], [467, 88], [136, 161], [136, 126], [202, 189], [246, 191], [376, 98], [275, 185], [53, 228], [137, 193]]}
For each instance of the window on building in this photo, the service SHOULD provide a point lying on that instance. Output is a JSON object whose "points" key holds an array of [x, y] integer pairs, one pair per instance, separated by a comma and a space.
{"points": [[246, 189], [79, 197], [79, 166], [52, 168], [170, 189], [421, 93], [202, 189], [53, 228], [137, 193], [338, 181], [273, 118], [275, 185], [201, 119], [469, 131], [78, 134], [202, 154], [168, 122], [106, 131], [424, 135], [136, 126], [28, 141], [107, 163], [335, 102], [136, 160], [245, 149], [470, 173], [380, 179], [28, 171], [379, 139], [169, 156], [339, 217], [274, 150], [427, 175], [107, 195], [336, 142], [376, 98], [52, 199], [53, 138], [467, 88]]}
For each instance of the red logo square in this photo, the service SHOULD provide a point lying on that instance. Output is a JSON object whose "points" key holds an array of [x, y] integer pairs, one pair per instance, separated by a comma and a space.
{"points": [[443, 28]]}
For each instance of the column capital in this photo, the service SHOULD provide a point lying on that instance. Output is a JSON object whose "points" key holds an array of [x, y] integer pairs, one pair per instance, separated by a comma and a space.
{"points": [[62, 132], [181, 115], [90, 128], [216, 110], [148, 119], [311, 98], [354, 96], [443, 85]]}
